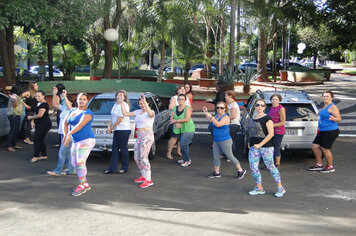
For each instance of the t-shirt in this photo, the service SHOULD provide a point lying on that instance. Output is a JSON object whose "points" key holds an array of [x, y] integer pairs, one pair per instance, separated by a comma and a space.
{"points": [[116, 112], [238, 117], [64, 112], [85, 132], [44, 122], [257, 131], [143, 120]]}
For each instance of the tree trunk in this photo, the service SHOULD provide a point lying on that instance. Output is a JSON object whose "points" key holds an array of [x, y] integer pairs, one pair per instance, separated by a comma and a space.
{"points": [[50, 59], [150, 59], [262, 55], [222, 43], [4, 55], [232, 35], [207, 48], [315, 57], [10, 51], [238, 28], [187, 67], [163, 56]]}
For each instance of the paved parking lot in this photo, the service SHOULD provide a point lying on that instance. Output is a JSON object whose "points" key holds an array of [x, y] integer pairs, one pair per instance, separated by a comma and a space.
{"points": [[182, 201]]}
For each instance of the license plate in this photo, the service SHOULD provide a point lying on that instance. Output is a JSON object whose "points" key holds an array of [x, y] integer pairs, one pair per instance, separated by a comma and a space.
{"points": [[294, 132], [101, 131]]}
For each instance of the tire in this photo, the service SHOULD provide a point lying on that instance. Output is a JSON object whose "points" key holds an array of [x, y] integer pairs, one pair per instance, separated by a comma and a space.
{"points": [[153, 150]]}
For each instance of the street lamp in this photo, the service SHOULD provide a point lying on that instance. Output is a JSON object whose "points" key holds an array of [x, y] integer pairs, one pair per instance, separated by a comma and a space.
{"points": [[111, 35]]}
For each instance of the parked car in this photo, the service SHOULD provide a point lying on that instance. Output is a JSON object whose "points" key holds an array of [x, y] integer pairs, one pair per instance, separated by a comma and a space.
{"points": [[16, 69], [4, 121], [243, 67], [296, 65], [101, 106], [200, 66], [310, 65], [56, 72], [301, 117]]}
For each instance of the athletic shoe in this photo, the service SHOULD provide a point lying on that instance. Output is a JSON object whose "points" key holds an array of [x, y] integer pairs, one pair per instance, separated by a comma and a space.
{"points": [[180, 161], [315, 167], [280, 192], [146, 184], [327, 169], [214, 175], [257, 191], [80, 189], [139, 180], [241, 174], [186, 163], [87, 186]]}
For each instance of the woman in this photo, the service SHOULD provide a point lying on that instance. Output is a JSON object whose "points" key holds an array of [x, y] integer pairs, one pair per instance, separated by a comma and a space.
{"points": [[59, 95], [222, 140], [189, 92], [120, 125], [77, 129], [174, 138], [30, 105], [278, 115], [42, 124], [260, 133], [14, 112], [144, 119], [184, 127], [234, 112], [64, 156], [328, 131]]}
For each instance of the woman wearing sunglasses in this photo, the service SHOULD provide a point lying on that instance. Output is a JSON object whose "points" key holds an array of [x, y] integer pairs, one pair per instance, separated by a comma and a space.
{"points": [[222, 140], [260, 133]]}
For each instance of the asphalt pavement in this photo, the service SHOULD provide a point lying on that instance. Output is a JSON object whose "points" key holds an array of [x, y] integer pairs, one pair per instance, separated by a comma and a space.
{"points": [[182, 201]]}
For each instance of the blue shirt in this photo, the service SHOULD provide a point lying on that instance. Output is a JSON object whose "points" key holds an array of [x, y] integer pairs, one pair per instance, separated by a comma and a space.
{"points": [[221, 133], [85, 132], [324, 123]]}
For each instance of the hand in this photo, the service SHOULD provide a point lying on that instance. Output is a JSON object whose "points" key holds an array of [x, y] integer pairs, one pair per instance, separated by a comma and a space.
{"points": [[32, 124], [143, 97], [205, 109], [67, 141], [27, 107], [257, 146], [172, 121], [65, 92], [178, 125], [54, 90], [109, 129]]}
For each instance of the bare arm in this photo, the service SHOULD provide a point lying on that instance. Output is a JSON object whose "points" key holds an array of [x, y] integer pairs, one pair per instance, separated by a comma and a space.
{"points": [[335, 114], [66, 100], [233, 113], [39, 115], [270, 135], [224, 121], [282, 117], [126, 113], [14, 101], [55, 98], [188, 115], [148, 108], [172, 104]]}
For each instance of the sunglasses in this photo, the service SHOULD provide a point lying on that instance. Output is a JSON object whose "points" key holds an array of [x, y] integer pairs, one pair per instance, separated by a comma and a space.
{"points": [[260, 105], [220, 108]]}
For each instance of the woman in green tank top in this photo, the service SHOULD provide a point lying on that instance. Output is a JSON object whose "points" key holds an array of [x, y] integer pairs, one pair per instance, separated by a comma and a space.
{"points": [[183, 126]]}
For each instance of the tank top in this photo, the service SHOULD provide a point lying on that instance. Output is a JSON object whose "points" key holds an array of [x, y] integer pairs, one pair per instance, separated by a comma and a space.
{"points": [[276, 118], [221, 133], [187, 127], [324, 123]]}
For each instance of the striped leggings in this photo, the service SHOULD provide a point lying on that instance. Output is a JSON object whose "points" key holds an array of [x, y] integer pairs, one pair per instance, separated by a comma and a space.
{"points": [[79, 154], [254, 157]]}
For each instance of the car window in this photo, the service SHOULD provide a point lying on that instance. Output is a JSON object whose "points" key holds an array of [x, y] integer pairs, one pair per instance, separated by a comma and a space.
{"points": [[296, 112], [3, 101], [104, 106], [152, 104], [159, 104]]}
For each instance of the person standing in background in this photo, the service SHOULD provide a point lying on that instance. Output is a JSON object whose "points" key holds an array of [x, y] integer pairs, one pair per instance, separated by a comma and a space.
{"points": [[234, 112], [14, 112], [41, 70], [30, 105]]}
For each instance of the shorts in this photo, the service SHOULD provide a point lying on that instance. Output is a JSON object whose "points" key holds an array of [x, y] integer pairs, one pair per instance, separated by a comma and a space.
{"points": [[173, 135], [326, 138]]}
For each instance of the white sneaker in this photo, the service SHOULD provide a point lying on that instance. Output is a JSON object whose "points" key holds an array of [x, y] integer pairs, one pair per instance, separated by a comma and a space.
{"points": [[186, 163], [180, 161]]}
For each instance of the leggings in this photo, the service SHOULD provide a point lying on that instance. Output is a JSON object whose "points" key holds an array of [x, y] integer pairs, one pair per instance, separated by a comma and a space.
{"points": [[254, 157], [142, 148], [223, 147], [80, 152]]}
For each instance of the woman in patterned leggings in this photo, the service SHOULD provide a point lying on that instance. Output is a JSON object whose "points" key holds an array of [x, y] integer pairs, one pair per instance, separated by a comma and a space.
{"points": [[77, 127], [260, 133], [144, 119]]}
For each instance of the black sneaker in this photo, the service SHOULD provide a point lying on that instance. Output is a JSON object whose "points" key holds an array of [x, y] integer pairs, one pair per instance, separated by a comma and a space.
{"points": [[241, 174], [316, 167], [214, 175]]}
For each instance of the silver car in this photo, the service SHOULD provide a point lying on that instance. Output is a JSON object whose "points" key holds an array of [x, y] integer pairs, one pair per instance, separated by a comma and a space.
{"points": [[301, 117], [101, 106]]}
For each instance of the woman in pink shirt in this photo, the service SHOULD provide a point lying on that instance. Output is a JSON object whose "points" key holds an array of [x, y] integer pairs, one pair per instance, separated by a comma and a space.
{"points": [[278, 115]]}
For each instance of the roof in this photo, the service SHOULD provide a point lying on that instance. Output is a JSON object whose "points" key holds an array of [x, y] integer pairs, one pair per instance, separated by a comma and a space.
{"points": [[296, 96]]}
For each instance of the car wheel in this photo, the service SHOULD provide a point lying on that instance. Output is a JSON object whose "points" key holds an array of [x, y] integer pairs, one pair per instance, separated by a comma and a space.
{"points": [[152, 153]]}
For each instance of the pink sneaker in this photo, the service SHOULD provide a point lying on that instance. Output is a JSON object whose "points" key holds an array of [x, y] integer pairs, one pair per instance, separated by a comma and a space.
{"points": [[79, 190], [139, 180], [146, 184], [87, 186]]}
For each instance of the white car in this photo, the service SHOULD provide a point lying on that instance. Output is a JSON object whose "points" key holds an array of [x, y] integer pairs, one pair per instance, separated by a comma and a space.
{"points": [[56, 72]]}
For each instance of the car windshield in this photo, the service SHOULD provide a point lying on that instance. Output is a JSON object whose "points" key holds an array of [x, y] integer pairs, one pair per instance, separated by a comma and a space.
{"points": [[298, 112], [104, 106]]}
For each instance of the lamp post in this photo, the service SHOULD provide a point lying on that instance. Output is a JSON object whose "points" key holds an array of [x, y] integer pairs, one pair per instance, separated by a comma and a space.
{"points": [[111, 35]]}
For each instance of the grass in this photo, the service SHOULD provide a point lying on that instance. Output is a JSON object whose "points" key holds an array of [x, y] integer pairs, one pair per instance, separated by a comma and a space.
{"points": [[349, 72]]}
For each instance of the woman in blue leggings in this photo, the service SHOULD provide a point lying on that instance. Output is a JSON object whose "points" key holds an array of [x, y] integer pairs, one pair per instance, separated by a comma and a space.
{"points": [[260, 133]]}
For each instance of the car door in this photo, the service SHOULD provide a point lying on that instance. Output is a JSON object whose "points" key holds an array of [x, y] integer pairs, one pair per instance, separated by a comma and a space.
{"points": [[4, 122], [162, 117]]}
